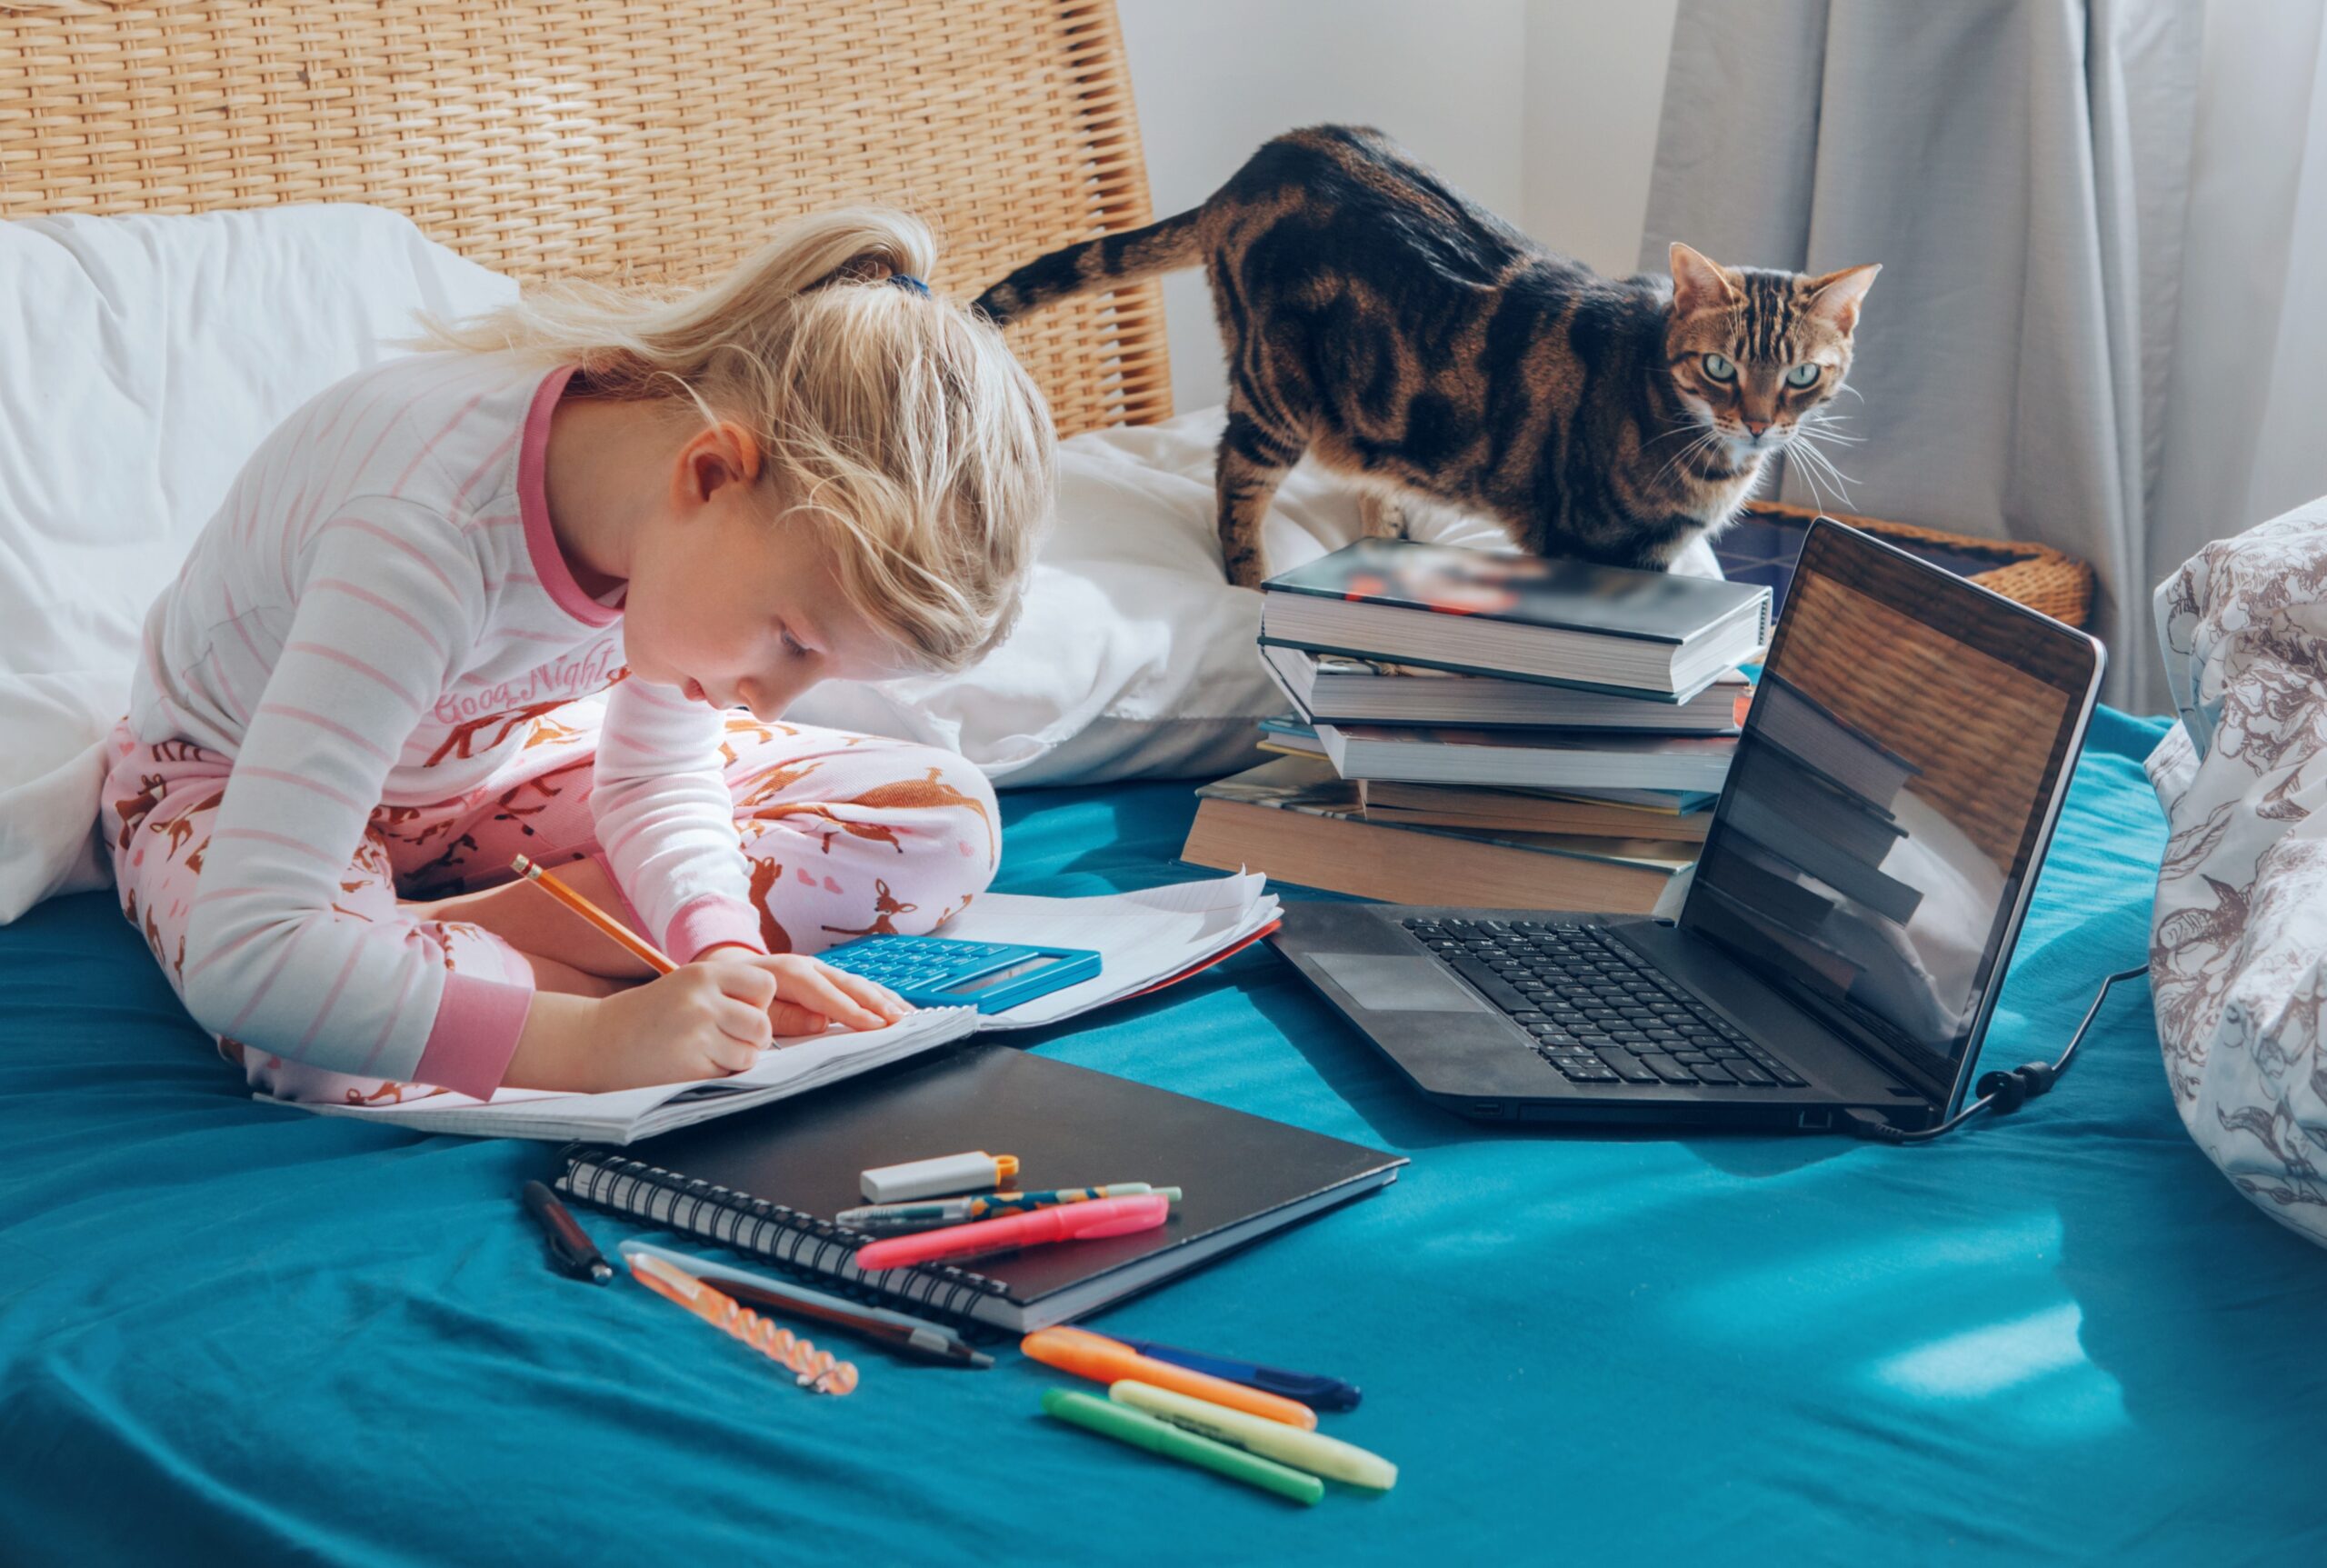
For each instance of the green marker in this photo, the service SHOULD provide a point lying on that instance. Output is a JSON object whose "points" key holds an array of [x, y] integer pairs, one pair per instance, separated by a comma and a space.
{"points": [[1327, 1456], [1161, 1437]]}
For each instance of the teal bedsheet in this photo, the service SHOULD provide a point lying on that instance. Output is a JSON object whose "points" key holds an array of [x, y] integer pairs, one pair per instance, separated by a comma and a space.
{"points": [[234, 1332]]}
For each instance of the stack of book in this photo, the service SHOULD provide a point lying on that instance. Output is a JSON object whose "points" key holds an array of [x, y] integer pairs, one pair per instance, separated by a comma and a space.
{"points": [[1474, 728]]}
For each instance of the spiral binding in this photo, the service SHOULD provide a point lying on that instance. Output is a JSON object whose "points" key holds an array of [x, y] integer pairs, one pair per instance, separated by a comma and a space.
{"points": [[815, 1249]]}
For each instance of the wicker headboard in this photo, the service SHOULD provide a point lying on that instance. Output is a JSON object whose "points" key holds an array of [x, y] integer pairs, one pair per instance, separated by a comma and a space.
{"points": [[644, 139]]}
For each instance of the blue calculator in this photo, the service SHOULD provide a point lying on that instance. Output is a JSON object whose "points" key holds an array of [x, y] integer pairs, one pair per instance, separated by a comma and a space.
{"points": [[938, 971]]}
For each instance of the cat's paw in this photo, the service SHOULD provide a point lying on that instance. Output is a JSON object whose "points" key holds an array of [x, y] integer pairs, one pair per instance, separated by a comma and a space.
{"points": [[1381, 516], [1244, 568]]}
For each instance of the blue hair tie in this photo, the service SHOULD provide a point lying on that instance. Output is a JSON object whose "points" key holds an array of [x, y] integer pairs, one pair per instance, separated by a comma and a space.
{"points": [[906, 280]]}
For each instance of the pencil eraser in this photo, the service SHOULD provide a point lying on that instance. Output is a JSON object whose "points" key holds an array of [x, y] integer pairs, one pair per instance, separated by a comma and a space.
{"points": [[976, 1171]]}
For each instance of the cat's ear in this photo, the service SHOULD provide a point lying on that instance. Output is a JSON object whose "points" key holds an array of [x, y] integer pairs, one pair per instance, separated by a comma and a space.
{"points": [[1699, 282], [1834, 299]]}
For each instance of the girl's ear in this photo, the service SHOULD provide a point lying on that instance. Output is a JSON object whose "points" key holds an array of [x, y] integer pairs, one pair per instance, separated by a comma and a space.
{"points": [[718, 454]]}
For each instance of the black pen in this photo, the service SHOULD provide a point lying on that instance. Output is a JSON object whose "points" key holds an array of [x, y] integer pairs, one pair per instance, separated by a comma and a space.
{"points": [[569, 1244], [901, 1331]]}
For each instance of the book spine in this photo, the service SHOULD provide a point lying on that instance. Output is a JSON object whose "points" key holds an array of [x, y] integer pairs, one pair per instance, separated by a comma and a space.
{"points": [[1536, 619], [1400, 865], [814, 1249], [1490, 671]]}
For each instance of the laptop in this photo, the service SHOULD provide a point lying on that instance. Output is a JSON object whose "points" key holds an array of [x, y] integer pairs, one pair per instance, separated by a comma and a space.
{"points": [[1849, 918]]}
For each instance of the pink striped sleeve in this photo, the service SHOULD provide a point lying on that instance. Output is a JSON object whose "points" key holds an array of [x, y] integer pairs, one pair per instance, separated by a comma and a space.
{"points": [[391, 597], [667, 821], [475, 1034], [708, 922]]}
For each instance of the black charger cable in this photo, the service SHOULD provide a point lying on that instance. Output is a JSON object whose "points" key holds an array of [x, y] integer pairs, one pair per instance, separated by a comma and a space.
{"points": [[2000, 1093]]}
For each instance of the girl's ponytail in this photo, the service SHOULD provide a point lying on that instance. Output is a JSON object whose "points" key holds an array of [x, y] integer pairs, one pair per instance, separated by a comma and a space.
{"points": [[637, 341], [897, 423]]}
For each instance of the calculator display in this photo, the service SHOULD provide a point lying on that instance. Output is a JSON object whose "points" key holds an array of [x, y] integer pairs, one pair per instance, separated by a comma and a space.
{"points": [[1007, 972]]}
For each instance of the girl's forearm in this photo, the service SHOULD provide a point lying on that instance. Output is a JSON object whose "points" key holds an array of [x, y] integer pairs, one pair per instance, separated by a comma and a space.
{"points": [[556, 1048]]}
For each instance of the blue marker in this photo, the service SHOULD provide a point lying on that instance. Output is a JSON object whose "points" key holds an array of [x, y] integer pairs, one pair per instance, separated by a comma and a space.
{"points": [[1317, 1393]]}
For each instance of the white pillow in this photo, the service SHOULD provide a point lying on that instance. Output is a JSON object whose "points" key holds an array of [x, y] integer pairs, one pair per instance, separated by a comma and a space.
{"points": [[1134, 658], [142, 359]]}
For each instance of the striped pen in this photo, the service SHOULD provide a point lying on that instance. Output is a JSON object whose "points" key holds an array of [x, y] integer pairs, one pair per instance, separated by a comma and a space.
{"points": [[899, 1219]]}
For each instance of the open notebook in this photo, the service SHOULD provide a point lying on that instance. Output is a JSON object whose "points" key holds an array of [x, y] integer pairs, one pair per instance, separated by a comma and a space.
{"points": [[1144, 939]]}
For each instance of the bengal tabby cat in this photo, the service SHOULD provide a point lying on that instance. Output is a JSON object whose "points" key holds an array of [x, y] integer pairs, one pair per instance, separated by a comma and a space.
{"points": [[1408, 338]]}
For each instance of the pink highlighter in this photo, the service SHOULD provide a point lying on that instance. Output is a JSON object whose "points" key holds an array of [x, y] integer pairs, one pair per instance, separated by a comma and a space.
{"points": [[1068, 1223]]}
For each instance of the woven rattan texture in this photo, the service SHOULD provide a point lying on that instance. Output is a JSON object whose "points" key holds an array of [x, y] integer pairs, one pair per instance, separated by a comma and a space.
{"points": [[642, 140], [2036, 575]]}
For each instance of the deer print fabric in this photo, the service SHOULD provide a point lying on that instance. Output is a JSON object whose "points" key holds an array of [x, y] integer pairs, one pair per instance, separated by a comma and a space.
{"points": [[844, 836]]}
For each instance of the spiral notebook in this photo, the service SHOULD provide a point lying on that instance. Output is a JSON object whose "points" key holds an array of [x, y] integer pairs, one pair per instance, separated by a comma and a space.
{"points": [[766, 1183]]}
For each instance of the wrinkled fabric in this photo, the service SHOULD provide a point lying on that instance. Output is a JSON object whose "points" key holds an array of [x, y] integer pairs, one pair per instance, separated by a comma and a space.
{"points": [[233, 1333], [2239, 936]]}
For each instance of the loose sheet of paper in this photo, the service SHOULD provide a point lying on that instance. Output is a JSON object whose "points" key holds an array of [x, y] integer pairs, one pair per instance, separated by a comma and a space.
{"points": [[1141, 937]]}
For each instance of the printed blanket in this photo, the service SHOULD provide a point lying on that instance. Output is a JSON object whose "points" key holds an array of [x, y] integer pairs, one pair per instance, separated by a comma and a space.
{"points": [[2238, 939]]}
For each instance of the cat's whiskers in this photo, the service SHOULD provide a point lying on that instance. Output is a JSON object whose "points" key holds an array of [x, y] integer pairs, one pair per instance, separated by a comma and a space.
{"points": [[1816, 464], [1820, 456], [1810, 478], [1676, 430], [1704, 438], [1827, 426]]}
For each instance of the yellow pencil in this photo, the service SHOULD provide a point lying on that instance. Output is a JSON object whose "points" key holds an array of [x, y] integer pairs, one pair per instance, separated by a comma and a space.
{"points": [[645, 950]]}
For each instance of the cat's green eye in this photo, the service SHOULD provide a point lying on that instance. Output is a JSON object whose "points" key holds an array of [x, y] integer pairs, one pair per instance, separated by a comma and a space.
{"points": [[1719, 367], [1803, 375]]}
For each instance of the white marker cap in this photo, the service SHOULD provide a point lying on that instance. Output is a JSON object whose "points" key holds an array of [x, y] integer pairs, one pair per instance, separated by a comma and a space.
{"points": [[967, 1173]]}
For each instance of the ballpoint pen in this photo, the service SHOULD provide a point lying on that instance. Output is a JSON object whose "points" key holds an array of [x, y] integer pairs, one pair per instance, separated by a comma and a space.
{"points": [[569, 1243], [886, 1218], [909, 1335]]}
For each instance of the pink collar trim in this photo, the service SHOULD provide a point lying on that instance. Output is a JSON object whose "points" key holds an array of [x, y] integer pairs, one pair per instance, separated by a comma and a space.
{"points": [[533, 504]]}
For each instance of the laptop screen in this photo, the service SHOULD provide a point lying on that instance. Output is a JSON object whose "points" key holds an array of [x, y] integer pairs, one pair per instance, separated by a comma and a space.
{"points": [[1896, 773]]}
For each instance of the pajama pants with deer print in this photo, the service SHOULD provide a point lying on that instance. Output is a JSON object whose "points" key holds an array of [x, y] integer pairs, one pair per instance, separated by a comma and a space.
{"points": [[845, 835]]}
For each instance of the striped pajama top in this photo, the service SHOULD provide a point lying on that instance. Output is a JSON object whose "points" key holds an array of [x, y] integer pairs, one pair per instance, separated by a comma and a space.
{"points": [[371, 619]]}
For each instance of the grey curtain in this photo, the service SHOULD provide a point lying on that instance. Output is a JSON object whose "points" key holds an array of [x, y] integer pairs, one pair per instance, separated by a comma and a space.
{"points": [[2019, 168]]}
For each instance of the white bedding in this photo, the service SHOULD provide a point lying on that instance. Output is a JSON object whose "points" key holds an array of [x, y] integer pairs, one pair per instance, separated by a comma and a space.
{"points": [[141, 359], [1135, 659]]}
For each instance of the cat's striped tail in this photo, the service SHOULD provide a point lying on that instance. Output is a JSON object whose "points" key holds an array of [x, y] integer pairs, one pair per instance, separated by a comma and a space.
{"points": [[1174, 243]]}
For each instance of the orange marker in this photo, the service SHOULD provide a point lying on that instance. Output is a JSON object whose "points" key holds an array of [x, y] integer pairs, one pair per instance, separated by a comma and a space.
{"points": [[1104, 1360], [645, 950]]}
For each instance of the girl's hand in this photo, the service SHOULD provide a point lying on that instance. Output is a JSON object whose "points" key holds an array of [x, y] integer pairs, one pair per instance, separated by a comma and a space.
{"points": [[704, 1020], [812, 996]]}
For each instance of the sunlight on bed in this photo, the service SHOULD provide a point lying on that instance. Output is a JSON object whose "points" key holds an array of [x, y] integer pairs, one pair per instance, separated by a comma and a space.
{"points": [[2032, 1369]]}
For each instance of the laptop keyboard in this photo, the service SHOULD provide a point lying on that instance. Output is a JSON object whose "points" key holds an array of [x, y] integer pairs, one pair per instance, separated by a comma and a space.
{"points": [[1597, 1012]]}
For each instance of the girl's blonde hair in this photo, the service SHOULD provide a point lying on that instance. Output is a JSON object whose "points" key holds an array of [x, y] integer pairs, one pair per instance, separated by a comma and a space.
{"points": [[895, 422]]}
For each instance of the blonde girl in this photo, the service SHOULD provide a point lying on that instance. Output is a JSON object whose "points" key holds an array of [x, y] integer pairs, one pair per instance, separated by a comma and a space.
{"points": [[548, 590]]}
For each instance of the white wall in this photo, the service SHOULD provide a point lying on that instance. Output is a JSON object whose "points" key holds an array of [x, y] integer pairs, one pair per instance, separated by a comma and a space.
{"points": [[1543, 110], [1594, 85]]}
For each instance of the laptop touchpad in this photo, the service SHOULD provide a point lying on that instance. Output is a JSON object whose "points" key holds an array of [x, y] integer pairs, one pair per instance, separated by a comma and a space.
{"points": [[1381, 984]]}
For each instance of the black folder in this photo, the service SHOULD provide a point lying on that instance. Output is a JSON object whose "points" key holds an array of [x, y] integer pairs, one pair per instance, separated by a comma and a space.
{"points": [[767, 1183]]}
